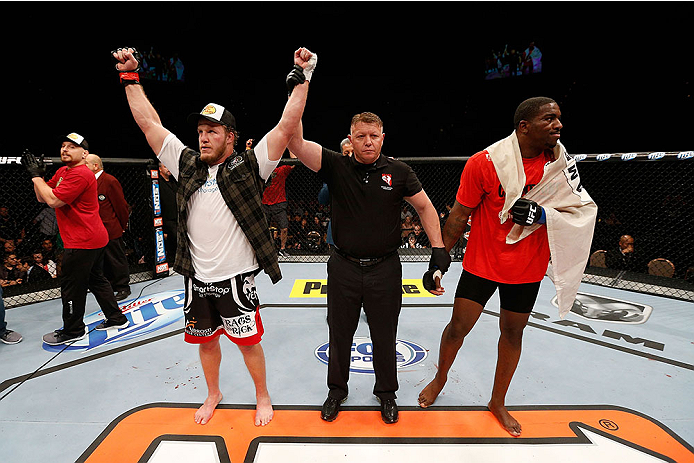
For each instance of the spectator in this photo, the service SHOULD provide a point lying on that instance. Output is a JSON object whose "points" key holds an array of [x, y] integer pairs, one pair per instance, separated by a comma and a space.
{"points": [[421, 236], [623, 256], [10, 273], [294, 232], [8, 247], [6, 336], [301, 235], [169, 211], [47, 264], [35, 272], [405, 212], [53, 253], [411, 242], [114, 213], [407, 227]]}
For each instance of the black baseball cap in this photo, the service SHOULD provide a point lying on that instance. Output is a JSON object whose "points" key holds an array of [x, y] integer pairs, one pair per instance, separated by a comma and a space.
{"points": [[214, 113], [77, 139]]}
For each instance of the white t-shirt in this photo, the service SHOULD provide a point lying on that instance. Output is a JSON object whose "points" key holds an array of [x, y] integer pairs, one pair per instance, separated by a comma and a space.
{"points": [[218, 247]]}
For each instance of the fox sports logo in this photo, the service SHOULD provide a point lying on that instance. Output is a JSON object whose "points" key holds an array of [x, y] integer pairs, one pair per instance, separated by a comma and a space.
{"points": [[407, 353]]}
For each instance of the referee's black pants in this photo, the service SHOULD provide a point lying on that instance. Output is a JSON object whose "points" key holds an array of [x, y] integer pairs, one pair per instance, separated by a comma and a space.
{"points": [[379, 289], [82, 270]]}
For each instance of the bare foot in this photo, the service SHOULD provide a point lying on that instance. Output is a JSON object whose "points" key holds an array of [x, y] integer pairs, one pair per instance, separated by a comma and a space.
{"points": [[508, 422], [204, 413], [263, 411], [430, 393]]}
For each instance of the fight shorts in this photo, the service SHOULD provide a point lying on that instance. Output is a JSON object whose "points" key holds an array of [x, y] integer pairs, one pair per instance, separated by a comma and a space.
{"points": [[518, 298], [229, 306]]}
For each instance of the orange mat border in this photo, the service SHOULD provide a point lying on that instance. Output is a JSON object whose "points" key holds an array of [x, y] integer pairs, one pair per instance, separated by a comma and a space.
{"points": [[133, 433]]}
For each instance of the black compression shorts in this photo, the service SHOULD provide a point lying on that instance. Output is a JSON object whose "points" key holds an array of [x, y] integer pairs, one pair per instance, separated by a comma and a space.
{"points": [[518, 298]]}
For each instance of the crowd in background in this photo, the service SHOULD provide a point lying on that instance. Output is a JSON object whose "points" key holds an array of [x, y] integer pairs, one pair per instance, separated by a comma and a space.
{"points": [[31, 251], [308, 228], [512, 61]]}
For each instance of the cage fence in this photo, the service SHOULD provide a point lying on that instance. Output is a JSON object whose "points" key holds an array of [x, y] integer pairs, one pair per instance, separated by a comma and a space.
{"points": [[647, 196]]}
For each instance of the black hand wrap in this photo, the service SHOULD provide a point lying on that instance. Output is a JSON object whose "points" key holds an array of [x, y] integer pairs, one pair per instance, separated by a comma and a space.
{"points": [[130, 77], [526, 212], [295, 77], [35, 166], [439, 262], [428, 280]]}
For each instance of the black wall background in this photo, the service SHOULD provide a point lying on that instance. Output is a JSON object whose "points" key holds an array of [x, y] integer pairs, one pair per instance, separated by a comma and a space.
{"points": [[620, 71]]}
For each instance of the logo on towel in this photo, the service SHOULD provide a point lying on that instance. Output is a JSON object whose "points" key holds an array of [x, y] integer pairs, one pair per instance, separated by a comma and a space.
{"points": [[407, 353], [146, 315]]}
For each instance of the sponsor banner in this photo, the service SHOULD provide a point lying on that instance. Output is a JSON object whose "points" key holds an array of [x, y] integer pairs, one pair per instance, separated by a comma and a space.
{"points": [[156, 203], [146, 315], [159, 248], [411, 287], [408, 353], [161, 266], [642, 156]]}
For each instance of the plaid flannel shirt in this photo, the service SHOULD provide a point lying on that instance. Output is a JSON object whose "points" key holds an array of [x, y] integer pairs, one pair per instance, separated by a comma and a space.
{"points": [[241, 187]]}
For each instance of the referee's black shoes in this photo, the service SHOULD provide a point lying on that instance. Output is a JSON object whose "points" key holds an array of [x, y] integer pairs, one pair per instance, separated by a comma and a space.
{"points": [[389, 411], [331, 407]]}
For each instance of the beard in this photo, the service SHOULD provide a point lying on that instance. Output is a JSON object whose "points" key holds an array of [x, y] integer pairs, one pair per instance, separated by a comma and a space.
{"points": [[212, 157]]}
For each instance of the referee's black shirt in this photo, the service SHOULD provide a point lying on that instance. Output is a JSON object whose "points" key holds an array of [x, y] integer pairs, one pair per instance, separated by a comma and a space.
{"points": [[365, 202]]}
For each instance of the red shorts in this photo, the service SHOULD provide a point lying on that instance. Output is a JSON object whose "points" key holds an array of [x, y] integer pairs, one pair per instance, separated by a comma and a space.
{"points": [[229, 306]]}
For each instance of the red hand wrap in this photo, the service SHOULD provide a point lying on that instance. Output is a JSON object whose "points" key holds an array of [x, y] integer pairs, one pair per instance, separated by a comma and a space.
{"points": [[129, 77]]}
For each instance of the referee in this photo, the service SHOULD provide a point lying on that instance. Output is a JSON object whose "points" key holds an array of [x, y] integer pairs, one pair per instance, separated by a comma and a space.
{"points": [[366, 193]]}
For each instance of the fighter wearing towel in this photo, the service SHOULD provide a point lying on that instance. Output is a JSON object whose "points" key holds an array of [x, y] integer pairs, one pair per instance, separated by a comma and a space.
{"points": [[490, 262]]}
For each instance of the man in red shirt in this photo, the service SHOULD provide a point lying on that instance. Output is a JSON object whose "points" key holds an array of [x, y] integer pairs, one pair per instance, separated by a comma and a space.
{"points": [[490, 263], [72, 192], [275, 201], [114, 212]]}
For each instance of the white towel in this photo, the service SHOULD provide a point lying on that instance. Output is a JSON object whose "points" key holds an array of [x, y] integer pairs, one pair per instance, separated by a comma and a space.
{"points": [[570, 211]]}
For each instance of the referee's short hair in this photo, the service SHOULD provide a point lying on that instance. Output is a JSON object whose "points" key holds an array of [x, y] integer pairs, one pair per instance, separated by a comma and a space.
{"points": [[367, 118]]}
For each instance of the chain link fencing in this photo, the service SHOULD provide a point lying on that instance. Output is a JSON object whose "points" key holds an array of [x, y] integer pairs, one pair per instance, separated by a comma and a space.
{"points": [[29, 231], [647, 196]]}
